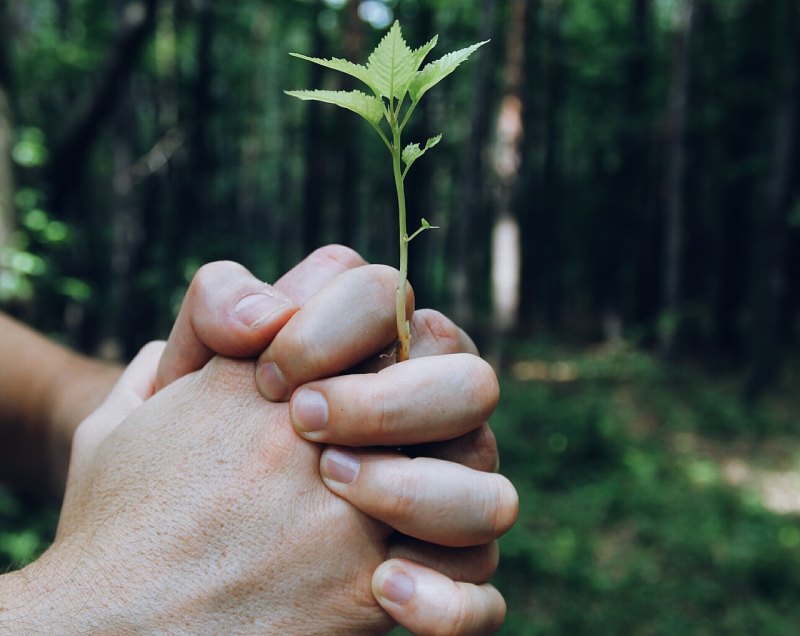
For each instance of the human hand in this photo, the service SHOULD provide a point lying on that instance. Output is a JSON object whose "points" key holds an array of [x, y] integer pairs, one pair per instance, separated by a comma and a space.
{"points": [[214, 294], [192, 531]]}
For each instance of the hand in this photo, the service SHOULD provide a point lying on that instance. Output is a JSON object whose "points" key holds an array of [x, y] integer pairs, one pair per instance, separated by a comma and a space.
{"points": [[208, 321], [228, 528]]}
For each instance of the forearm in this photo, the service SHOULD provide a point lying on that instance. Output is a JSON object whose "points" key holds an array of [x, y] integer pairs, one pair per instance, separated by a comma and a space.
{"points": [[46, 390]]}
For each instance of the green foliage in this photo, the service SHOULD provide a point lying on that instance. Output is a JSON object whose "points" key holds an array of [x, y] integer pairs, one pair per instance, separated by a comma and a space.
{"points": [[26, 529], [392, 72], [625, 529]]}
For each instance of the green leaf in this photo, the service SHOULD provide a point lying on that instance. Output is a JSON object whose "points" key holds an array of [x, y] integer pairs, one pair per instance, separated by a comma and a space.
{"points": [[343, 66], [391, 65], [412, 152], [369, 107], [436, 71]]}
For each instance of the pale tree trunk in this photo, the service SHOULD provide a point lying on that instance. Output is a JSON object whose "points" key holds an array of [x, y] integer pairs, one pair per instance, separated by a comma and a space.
{"points": [[471, 200], [7, 213], [675, 178], [769, 284], [506, 164]]}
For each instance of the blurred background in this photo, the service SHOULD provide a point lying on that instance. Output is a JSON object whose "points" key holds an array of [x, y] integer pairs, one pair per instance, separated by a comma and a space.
{"points": [[618, 195]]}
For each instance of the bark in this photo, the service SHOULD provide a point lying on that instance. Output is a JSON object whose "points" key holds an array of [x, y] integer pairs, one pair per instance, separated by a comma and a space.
{"points": [[509, 135], [631, 254], [529, 194], [675, 177], [772, 242], [350, 175], [7, 189], [464, 277], [91, 114], [314, 179], [550, 212]]}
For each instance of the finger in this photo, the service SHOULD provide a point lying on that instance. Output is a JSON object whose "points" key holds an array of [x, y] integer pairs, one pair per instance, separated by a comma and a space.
{"points": [[427, 602], [228, 311], [477, 450], [432, 334], [315, 271], [474, 564], [422, 400], [346, 322], [428, 499]]}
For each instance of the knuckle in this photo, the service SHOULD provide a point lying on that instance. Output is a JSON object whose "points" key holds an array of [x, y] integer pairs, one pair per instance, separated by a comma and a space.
{"points": [[339, 255], [484, 449], [210, 274], [404, 498], [441, 330], [459, 616]]}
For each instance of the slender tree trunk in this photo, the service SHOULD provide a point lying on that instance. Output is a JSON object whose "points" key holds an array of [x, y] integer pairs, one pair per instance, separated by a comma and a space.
{"points": [[463, 276], [529, 195], [90, 114], [509, 134], [349, 199], [629, 249], [7, 212], [314, 179], [770, 276], [550, 225], [675, 178]]}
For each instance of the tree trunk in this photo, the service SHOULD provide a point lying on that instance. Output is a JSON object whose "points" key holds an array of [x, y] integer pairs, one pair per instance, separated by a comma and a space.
{"points": [[314, 179], [675, 178], [463, 275], [349, 200], [509, 134], [7, 189], [550, 212], [770, 277], [85, 123], [529, 194]]}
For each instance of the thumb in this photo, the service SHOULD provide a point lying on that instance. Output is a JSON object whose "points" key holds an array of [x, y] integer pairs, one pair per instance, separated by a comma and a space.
{"points": [[136, 384]]}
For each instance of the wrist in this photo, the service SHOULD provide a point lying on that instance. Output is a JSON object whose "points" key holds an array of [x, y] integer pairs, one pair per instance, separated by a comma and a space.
{"points": [[55, 595], [76, 387]]}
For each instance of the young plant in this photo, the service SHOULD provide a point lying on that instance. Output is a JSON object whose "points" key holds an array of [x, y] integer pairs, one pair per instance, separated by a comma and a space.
{"points": [[393, 74]]}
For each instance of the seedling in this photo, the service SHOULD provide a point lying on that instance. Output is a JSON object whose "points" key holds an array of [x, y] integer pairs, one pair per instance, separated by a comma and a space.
{"points": [[393, 74]]}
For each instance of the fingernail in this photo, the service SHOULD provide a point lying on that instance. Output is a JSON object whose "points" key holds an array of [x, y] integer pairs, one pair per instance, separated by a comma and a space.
{"points": [[339, 465], [309, 411], [397, 587], [254, 309], [270, 382]]}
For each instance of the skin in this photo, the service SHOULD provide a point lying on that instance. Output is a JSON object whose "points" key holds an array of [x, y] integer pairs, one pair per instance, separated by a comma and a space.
{"points": [[257, 464]]}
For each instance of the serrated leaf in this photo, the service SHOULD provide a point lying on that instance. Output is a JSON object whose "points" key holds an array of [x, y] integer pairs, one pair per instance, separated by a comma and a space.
{"points": [[391, 65], [368, 106], [436, 71], [343, 66], [412, 152]]}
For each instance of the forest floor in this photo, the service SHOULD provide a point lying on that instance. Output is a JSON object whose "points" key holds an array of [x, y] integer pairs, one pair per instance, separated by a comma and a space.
{"points": [[653, 500]]}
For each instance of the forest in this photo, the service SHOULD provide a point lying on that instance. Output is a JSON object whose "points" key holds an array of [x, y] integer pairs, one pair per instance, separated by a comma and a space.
{"points": [[617, 195]]}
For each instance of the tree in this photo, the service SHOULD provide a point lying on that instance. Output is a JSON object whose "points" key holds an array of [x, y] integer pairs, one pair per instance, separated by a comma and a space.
{"points": [[7, 189], [678, 109], [770, 276]]}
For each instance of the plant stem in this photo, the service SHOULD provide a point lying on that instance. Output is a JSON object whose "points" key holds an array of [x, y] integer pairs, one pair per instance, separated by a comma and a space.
{"points": [[403, 326]]}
